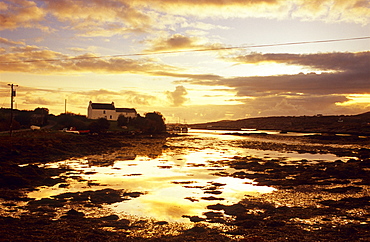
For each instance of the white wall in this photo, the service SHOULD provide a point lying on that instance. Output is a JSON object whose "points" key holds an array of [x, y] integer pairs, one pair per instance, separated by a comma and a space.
{"points": [[99, 113]]}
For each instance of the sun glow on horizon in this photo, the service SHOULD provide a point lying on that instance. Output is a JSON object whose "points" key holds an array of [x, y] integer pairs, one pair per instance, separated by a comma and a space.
{"points": [[356, 99]]}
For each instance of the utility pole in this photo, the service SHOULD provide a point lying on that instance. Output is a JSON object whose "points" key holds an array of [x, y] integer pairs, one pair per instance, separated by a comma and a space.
{"points": [[12, 95]]}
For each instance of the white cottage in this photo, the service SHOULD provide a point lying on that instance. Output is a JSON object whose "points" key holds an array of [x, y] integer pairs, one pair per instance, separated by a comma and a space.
{"points": [[108, 111], [126, 112]]}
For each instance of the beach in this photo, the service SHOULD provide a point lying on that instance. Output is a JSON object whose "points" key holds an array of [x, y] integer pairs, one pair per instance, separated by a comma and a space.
{"points": [[302, 188]]}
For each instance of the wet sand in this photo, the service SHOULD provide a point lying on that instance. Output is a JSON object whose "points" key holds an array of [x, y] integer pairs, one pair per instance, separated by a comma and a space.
{"points": [[315, 200]]}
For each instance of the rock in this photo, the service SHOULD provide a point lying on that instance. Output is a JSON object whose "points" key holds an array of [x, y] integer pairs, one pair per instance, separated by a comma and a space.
{"points": [[194, 219], [161, 222], [110, 217], [74, 214], [275, 223]]}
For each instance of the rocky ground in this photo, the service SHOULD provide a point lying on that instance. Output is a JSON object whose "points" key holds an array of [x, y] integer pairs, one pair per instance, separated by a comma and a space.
{"points": [[314, 200]]}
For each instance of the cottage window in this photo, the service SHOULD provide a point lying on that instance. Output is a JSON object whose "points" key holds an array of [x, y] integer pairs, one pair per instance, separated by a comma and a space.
{"points": [[103, 111], [110, 116]]}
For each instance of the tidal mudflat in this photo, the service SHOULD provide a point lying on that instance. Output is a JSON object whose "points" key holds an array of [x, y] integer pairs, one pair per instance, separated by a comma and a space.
{"points": [[201, 186]]}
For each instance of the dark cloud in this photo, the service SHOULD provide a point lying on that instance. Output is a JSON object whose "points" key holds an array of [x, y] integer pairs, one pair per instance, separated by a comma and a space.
{"points": [[298, 94], [174, 42], [325, 83], [339, 61], [347, 73]]}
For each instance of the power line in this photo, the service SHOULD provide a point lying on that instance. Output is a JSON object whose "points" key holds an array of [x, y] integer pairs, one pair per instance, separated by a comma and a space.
{"points": [[187, 51]]}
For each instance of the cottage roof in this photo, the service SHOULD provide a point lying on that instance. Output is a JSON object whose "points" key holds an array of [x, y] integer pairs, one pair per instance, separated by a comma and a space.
{"points": [[106, 106], [125, 110]]}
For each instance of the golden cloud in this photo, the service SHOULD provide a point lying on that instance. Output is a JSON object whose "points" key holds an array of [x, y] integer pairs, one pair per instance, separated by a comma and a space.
{"points": [[328, 10], [175, 42], [30, 59], [177, 97], [357, 11], [129, 97], [10, 42], [21, 13], [99, 18], [41, 100], [109, 17]]}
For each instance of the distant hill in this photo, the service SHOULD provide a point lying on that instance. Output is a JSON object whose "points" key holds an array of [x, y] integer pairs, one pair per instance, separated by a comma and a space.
{"points": [[352, 124]]}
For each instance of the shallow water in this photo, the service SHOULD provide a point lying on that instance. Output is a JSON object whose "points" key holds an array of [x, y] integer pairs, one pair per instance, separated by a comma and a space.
{"points": [[181, 181]]}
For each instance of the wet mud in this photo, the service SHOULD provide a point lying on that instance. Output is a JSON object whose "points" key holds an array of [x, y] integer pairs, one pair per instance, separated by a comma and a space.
{"points": [[313, 200]]}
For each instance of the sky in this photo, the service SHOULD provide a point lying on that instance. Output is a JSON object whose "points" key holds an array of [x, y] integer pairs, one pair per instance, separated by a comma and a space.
{"points": [[192, 61]]}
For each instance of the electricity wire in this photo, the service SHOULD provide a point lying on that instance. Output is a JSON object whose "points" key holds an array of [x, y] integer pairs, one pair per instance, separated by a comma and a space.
{"points": [[187, 51]]}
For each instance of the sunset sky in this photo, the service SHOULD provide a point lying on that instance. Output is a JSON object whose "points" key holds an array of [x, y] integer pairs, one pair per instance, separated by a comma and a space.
{"points": [[193, 61]]}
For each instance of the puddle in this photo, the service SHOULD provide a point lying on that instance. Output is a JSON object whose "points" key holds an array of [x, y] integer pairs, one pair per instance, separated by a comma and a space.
{"points": [[180, 182]]}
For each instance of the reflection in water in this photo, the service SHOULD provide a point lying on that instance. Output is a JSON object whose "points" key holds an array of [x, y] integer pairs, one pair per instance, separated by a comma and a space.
{"points": [[180, 181]]}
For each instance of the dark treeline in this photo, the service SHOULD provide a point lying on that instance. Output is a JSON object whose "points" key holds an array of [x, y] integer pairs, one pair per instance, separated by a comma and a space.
{"points": [[23, 118], [151, 123]]}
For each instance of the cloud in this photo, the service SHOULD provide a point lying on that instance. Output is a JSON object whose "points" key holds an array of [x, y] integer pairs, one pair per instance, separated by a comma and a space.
{"points": [[294, 105], [78, 49], [111, 17], [10, 42], [262, 107], [177, 42], [128, 97], [141, 99], [27, 48], [357, 11], [177, 97], [312, 83], [22, 90], [21, 13], [31, 99], [100, 92], [174, 42], [337, 61], [297, 94], [326, 10], [31, 59], [100, 18], [348, 73]]}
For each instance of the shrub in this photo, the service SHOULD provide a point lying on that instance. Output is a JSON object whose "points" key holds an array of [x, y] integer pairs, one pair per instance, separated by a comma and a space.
{"points": [[99, 126]]}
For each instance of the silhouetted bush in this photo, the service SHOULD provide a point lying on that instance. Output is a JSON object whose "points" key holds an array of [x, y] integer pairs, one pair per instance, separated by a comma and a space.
{"points": [[155, 123], [123, 121], [99, 126], [69, 120], [23, 118], [152, 123]]}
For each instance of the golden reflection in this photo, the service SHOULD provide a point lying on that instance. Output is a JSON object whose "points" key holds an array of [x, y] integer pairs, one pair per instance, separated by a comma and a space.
{"points": [[179, 182]]}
